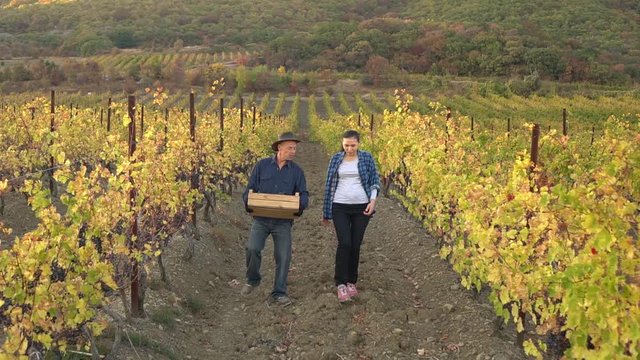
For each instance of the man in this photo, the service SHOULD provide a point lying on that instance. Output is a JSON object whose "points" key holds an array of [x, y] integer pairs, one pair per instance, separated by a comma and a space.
{"points": [[274, 175]]}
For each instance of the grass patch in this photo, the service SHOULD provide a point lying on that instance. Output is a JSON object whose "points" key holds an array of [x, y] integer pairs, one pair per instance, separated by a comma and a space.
{"points": [[165, 316], [51, 355], [156, 284], [103, 345], [139, 340], [128, 339], [194, 305]]}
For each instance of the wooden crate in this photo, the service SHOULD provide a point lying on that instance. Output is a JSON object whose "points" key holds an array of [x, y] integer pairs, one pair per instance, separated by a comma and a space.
{"points": [[273, 205]]}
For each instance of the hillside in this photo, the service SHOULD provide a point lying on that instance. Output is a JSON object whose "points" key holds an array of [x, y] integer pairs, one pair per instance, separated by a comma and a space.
{"points": [[576, 40]]}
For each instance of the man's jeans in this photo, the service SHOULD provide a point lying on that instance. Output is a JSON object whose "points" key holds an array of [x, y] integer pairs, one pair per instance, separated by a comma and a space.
{"points": [[280, 230]]}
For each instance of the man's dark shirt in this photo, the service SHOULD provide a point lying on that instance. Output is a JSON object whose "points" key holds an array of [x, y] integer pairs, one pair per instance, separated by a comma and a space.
{"points": [[267, 177]]}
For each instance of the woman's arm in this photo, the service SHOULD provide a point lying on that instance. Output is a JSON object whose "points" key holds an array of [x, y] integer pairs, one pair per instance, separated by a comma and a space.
{"points": [[326, 205]]}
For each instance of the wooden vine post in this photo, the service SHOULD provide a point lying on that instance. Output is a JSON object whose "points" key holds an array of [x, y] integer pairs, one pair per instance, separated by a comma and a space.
{"points": [[137, 306], [472, 130], [166, 124], [446, 130], [141, 121], [221, 124], [254, 117], [52, 128], [194, 174], [241, 113], [109, 115], [535, 139], [371, 125]]}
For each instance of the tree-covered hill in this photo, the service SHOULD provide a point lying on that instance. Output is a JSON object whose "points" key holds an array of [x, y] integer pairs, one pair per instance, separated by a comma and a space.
{"points": [[573, 40]]}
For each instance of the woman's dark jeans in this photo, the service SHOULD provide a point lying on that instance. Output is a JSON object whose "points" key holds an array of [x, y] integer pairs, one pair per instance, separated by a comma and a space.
{"points": [[350, 224]]}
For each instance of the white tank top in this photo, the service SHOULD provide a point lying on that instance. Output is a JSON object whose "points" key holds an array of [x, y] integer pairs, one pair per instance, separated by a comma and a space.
{"points": [[350, 190]]}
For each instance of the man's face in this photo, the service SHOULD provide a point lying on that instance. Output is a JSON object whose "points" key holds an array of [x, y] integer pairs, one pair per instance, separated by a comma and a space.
{"points": [[350, 146], [287, 150]]}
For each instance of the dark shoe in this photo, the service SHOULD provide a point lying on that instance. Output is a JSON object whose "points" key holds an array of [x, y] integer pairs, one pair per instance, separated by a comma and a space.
{"points": [[280, 300], [247, 289]]}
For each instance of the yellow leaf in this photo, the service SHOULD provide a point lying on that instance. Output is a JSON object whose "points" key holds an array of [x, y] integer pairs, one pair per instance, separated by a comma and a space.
{"points": [[45, 339], [60, 157]]}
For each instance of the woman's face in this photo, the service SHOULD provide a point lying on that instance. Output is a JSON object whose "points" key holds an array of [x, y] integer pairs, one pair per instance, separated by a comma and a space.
{"points": [[350, 146]]}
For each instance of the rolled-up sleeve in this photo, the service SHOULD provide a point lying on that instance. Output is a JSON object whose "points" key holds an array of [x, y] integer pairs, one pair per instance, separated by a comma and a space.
{"points": [[375, 177], [328, 188], [301, 187], [251, 185]]}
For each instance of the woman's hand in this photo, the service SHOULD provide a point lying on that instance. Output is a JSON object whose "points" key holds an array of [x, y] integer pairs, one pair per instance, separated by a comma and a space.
{"points": [[371, 207]]}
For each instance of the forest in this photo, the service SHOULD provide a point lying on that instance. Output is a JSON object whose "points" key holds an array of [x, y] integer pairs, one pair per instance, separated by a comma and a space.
{"points": [[569, 41]]}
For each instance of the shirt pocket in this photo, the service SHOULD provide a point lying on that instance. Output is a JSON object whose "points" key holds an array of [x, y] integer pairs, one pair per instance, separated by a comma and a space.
{"points": [[265, 183], [285, 185]]}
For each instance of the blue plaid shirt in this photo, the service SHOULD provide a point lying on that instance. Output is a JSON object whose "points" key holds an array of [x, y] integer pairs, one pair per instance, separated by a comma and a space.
{"points": [[368, 176]]}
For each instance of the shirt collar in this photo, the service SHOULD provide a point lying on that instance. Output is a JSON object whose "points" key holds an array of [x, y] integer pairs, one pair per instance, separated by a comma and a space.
{"points": [[275, 161], [342, 154]]}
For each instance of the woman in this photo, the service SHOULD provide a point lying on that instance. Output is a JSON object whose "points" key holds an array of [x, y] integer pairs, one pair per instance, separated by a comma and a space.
{"points": [[351, 189]]}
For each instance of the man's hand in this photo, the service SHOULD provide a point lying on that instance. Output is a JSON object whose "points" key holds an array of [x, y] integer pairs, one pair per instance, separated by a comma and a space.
{"points": [[325, 222], [371, 208]]}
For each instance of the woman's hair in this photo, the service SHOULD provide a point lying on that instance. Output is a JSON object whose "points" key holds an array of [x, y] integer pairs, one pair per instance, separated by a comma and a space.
{"points": [[351, 134]]}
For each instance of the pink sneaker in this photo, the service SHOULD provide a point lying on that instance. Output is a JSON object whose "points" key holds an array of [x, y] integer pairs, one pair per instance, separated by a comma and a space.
{"points": [[351, 290], [343, 295]]}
